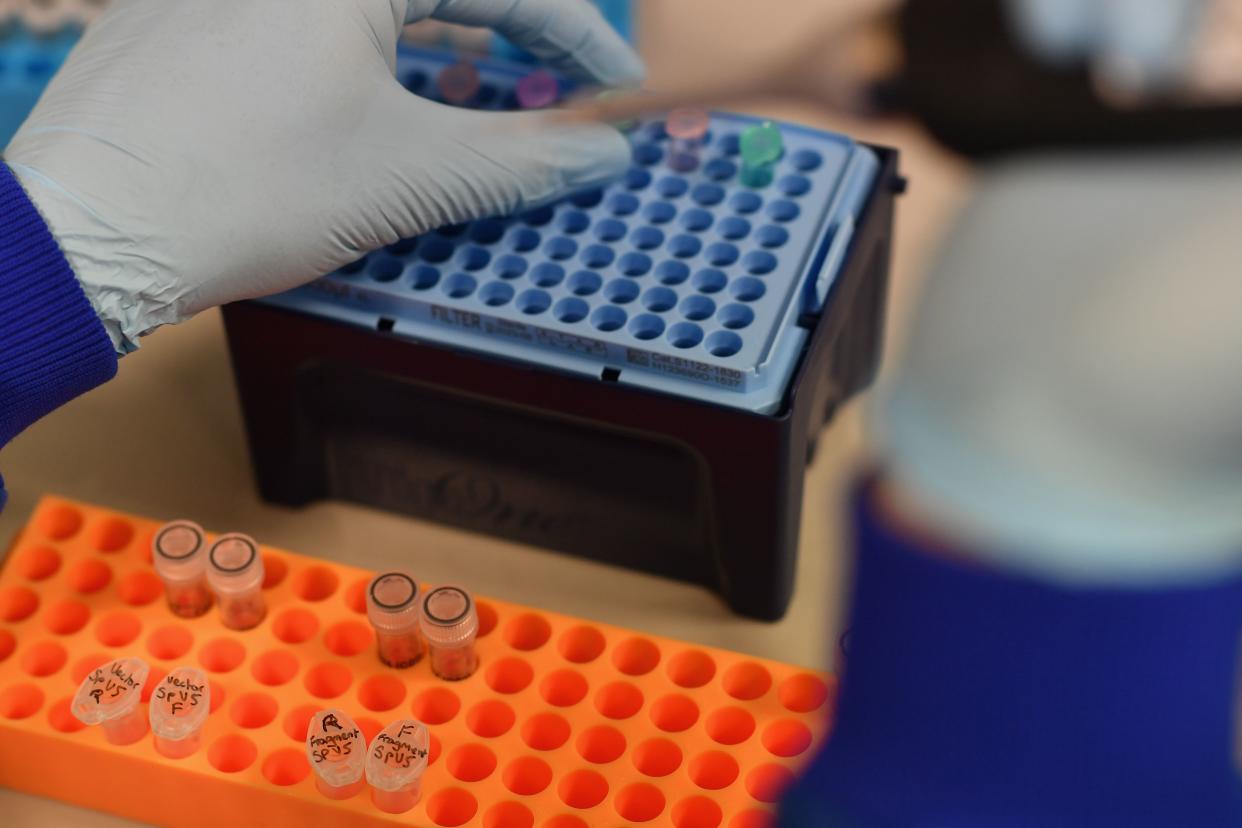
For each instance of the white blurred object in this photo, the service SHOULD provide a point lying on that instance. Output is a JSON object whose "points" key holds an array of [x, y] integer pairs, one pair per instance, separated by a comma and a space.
{"points": [[1134, 46], [1071, 397]]}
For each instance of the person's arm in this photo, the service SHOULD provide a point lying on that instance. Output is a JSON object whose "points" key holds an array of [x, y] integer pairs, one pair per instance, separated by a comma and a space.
{"points": [[1047, 605], [52, 345], [977, 695]]}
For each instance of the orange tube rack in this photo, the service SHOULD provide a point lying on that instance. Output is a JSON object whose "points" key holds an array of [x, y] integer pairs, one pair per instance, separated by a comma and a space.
{"points": [[566, 723]]}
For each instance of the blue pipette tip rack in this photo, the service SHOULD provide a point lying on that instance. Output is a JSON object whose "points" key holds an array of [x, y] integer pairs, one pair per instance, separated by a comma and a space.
{"points": [[685, 283], [637, 374]]}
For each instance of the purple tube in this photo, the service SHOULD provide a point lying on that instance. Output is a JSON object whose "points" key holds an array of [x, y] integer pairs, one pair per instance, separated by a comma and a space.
{"points": [[537, 90]]}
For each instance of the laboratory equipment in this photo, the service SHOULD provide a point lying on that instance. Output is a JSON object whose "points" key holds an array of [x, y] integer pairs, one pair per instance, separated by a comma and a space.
{"points": [[180, 558], [109, 697], [449, 624], [759, 147], [337, 751], [458, 82], [686, 128], [392, 609], [637, 374], [537, 90], [178, 707], [235, 573], [396, 760], [564, 715]]}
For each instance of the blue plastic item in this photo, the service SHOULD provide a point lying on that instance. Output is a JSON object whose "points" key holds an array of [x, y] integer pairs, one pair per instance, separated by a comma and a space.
{"points": [[27, 63], [686, 283], [618, 13], [973, 697]]}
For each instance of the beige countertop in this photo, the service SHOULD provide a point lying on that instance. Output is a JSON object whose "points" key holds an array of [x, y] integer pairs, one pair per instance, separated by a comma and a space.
{"points": [[165, 438]]}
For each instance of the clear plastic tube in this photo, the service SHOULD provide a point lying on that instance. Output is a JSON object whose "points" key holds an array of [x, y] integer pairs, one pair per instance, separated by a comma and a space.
{"points": [[450, 625], [179, 553], [392, 609], [109, 696], [337, 751], [179, 706], [235, 573], [687, 128], [396, 760]]}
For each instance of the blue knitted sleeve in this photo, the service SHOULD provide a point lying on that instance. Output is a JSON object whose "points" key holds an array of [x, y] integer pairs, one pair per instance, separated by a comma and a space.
{"points": [[52, 345], [974, 698]]}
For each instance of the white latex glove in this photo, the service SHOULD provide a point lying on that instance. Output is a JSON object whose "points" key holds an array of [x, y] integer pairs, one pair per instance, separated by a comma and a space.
{"points": [[1135, 45], [1071, 396], [196, 152]]}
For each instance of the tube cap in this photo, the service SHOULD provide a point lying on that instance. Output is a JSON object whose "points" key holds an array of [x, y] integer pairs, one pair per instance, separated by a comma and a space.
{"points": [[110, 691], [180, 704], [392, 602], [176, 548], [235, 564], [336, 748], [448, 617], [398, 755]]}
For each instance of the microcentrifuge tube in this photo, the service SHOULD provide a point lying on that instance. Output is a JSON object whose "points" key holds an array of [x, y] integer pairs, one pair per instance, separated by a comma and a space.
{"points": [[686, 128], [760, 147], [396, 760], [392, 608], [179, 706], [109, 696], [337, 751], [458, 82], [450, 625], [179, 553], [235, 573], [536, 90]]}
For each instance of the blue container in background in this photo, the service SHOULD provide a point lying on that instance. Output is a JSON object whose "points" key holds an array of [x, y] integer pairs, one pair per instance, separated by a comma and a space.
{"points": [[618, 13], [27, 63]]}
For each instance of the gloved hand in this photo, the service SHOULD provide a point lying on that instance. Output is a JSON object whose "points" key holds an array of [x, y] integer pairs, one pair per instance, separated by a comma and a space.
{"points": [[193, 153], [1135, 45]]}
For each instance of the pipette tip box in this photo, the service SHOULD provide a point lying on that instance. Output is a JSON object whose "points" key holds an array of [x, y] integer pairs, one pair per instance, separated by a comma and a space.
{"points": [[635, 374], [566, 723]]}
